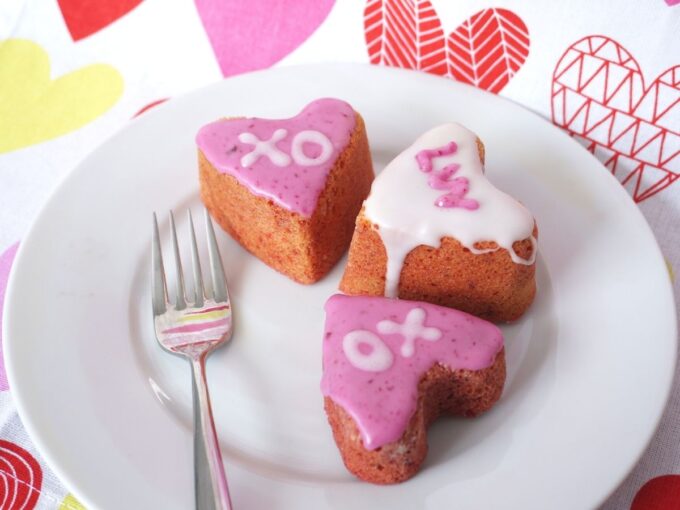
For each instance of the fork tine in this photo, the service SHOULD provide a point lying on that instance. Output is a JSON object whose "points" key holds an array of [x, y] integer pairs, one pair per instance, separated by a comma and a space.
{"points": [[196, 266], [180, 299], [159, 290], [219, 281]]}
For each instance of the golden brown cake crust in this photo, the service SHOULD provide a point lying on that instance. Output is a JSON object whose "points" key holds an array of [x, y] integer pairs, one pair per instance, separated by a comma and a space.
{"points": [[304, 249], [490, 285], [441, 391]]}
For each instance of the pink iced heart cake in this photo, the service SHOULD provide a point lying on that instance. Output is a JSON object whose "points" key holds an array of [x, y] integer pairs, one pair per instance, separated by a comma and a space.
{"points": [[391, 367], [288, 189]]}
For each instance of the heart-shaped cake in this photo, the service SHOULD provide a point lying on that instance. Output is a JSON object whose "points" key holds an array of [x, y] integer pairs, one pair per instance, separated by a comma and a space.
{"points": [[435, 229], [390, 367], [288, 189]]}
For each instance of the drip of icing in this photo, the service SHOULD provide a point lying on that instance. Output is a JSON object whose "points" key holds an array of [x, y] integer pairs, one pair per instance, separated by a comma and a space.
{"points": [[402, 203], [286, 160], [382, 397]]}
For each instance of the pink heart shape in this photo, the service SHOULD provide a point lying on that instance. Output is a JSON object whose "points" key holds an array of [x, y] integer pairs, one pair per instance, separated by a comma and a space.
{"points": [[251, 35], [6, 260]]}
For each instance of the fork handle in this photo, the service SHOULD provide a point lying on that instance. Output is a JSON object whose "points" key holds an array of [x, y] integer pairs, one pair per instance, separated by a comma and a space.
{"points": [[210, 482]]}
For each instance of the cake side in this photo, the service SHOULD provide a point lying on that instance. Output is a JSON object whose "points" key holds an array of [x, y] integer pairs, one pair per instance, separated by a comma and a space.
{"points": [[302, 247], [441, 391], [266, 230], [332, 224], [488, 285]]}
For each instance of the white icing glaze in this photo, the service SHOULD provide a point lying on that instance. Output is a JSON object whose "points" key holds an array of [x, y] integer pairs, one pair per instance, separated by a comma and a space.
{"points": [[412, 328], [311, 136], [378, 359], [264, 148], [402, 205], [269, 149]]}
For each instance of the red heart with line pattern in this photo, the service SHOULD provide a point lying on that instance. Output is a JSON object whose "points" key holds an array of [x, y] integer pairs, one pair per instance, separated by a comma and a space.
{"points": [[486, 50], [20, 477], [599, 96]]}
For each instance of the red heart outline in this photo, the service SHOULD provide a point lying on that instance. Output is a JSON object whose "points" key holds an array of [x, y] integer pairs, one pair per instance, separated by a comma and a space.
{"points": [[486, 50], [599, 96]]}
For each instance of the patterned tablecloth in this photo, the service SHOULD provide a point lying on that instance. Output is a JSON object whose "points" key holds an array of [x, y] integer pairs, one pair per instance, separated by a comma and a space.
{"points": [[74, 71]]}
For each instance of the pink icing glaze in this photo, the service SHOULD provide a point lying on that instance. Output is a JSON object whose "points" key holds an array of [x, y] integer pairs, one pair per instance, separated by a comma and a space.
{"points": [[425, 157], [383, 402], [294, 187], [441, 179]]}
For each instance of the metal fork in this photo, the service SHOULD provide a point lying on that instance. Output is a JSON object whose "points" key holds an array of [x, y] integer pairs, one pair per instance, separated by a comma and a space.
{"points": [[193, 329]]}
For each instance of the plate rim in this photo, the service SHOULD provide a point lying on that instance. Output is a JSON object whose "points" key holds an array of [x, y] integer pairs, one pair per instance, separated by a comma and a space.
{"points": [[19, 399]]}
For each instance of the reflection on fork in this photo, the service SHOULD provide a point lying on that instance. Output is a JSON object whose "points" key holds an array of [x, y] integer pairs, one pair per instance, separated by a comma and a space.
{"points": [[193, 329]]}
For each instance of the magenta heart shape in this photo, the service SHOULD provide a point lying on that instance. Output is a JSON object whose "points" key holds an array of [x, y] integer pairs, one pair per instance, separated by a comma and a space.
{"points": [[6, 260], [255, 34]]}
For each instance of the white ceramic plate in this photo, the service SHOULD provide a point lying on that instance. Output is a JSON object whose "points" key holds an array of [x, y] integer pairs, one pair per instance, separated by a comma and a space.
{"points": [[589, 366]]}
